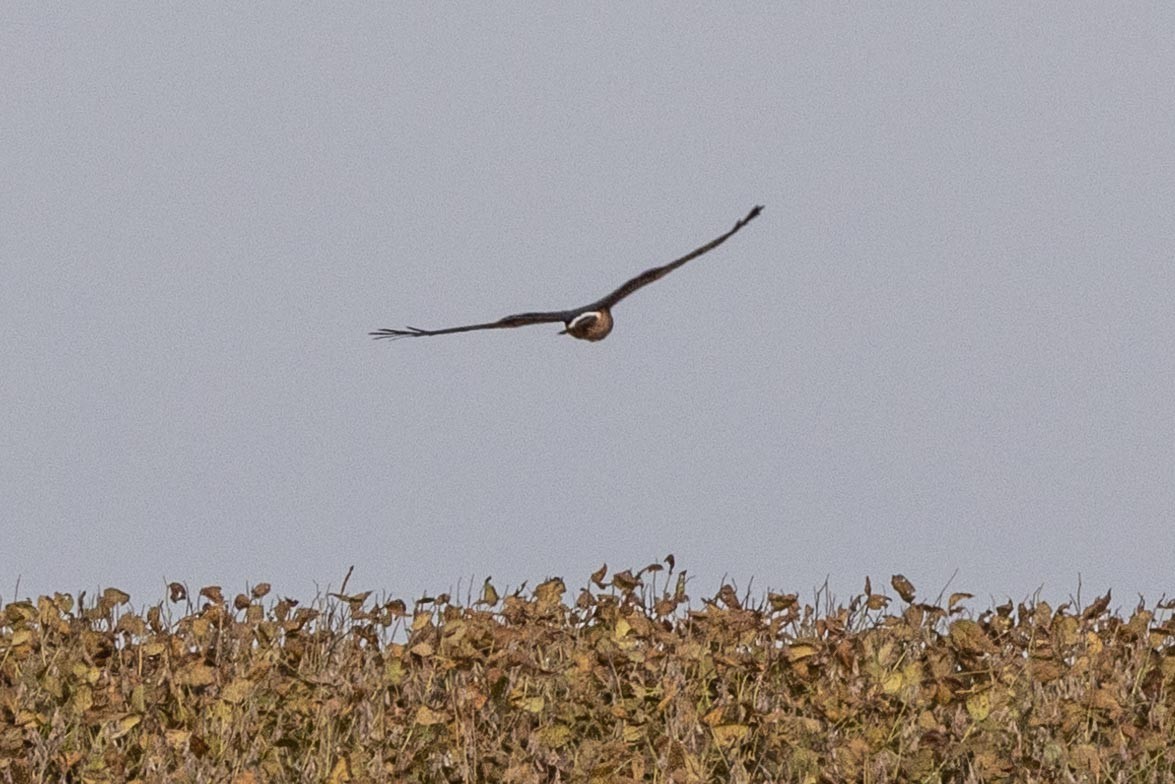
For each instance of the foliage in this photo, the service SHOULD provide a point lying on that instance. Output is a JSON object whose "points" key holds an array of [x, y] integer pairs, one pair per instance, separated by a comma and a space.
{"points": [[623, 682]]}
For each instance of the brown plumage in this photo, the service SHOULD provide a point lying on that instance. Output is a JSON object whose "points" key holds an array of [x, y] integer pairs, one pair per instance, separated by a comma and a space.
{"points": [[591, 322]]}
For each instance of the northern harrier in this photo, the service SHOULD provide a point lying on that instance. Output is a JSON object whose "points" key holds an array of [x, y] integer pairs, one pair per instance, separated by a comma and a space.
{"points": [[591, 322]]}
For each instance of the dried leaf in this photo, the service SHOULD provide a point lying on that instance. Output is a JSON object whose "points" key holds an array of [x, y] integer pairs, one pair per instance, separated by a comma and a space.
{"points": [[196, 675], [727, 735], [489, 594], [237, 690], [550, 593], [426, 716], [554, 736], [903, 586], [979, 705], [958, 597]]}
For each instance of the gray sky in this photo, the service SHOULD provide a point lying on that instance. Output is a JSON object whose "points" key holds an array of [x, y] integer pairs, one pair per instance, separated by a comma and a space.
{"points": [[945, 345]]}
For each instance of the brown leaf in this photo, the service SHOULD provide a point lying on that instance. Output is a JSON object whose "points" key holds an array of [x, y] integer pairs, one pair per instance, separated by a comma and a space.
{"points": [[550, 593], [956, 598], [968, 636], [903, 586], [801, 650], [728, 597], [625, 580], [197, 745], [1105, 700], [196, 675], [1097, 608], [113, 597], [1044, 670], [212, 593], [782, 601], [679, 591]]}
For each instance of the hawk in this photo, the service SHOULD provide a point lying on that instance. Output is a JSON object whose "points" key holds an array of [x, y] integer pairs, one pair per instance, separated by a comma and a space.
{"points": [[591, 322]]}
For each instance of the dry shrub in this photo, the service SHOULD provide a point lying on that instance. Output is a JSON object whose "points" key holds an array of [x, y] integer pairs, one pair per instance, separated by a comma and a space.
{"points": [[625, 681]]}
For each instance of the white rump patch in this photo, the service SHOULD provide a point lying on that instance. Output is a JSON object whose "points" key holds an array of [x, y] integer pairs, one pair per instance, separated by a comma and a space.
{"points": [[594, 314]]}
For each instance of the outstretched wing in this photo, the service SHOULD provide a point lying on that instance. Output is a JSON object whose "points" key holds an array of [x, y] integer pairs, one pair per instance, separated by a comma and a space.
{"points": [[517, 320], [648, 276]]}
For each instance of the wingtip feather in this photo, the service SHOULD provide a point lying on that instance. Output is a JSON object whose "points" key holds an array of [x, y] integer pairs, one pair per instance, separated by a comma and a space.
{"points": [[391, 334]]}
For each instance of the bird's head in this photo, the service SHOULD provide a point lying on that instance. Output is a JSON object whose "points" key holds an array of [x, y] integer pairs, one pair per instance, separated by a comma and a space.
{"points": [[591, 325]]}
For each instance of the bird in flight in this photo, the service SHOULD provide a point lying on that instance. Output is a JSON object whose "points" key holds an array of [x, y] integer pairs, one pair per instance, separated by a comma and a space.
{"points": [[590, 322]]}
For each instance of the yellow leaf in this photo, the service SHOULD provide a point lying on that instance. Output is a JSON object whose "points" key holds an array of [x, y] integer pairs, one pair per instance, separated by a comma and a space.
{"points": [[550, 593], [126, 724], [979, 705], [153, 648], [427, 716], [177, 739], [801, 650], [221, 711], [554, 736], [139, 698], [237, 690], [1094, 642], [488, 594], [893, 682], [634, 733], [532, 704], [25, 718], [670, 694], [196, 675], [622, 628], [1065, 630], [82, 699], [340, 773], [727, 735]]}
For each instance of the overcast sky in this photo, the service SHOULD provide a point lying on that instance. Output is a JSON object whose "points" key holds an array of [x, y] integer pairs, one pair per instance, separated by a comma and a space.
{"points": [[945, 345]]}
